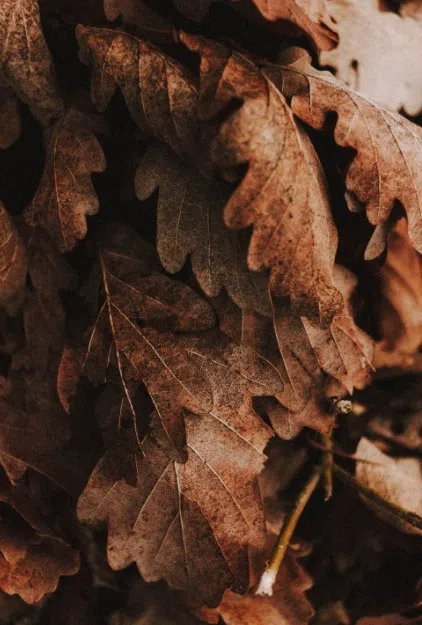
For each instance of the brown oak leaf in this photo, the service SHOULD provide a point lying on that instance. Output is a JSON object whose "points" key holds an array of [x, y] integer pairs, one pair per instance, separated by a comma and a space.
{"points": [[364, 55], [387, 165], [190, 221], [65, 195], [310, 16], [25, 62], [311, 359], [13, 264], [145, 353], [293, 230], [189, 523], [158, 91], [32, 556]]}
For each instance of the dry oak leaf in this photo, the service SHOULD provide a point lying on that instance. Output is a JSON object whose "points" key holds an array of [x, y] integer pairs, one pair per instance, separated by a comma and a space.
{"points": [[189, 523], [401, 287], [13, 264], [364, 55], [32, 556], [311, 16], [147, 352], [10, 121], [25, 61], [190, 221], [343, 350], [282, 342], [398, 480], [293, 231], [158, 91], [66, 195], [387, 165], [287, 606], [44, 316], [307, 356], [39, 440], [139, 15]]}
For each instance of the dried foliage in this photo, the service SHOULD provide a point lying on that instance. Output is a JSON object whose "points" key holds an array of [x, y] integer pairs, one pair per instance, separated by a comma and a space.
{"points": [[210, 301]]}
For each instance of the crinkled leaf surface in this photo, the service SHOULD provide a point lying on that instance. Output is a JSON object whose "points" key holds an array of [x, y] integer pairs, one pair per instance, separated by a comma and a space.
{"points": [[387, 166], [158, 91], [65, 195], [189, 523], [293, 230], [25, 61]]}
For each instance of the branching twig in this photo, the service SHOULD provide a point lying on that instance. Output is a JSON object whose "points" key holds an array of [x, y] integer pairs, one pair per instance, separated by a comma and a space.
{"points": [[268, 577]]}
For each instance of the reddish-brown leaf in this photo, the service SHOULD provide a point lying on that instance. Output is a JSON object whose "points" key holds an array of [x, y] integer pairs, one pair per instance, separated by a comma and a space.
{"points": [[387, 165], [190, 523], [65, 195], [287, 605], [190, 221], [158, 91], [32, 556], [293, 230], [13, 264], [25, 61], [309, 357]]}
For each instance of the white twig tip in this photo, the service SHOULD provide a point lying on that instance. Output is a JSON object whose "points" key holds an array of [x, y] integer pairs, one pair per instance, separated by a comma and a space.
{"points": [[266, 583]]}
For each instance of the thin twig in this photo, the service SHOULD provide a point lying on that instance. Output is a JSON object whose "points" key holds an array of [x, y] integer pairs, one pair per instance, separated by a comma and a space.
{"points": [[410, 517], [327, 465], [335, 451], [268, 577]]}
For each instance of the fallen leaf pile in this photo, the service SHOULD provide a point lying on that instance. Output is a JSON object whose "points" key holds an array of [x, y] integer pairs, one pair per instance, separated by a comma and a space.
{"points": [[210, 312]]}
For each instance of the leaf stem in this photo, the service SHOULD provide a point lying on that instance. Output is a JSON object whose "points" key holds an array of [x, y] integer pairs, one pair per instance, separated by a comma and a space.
{"points": [[266, 584], [410, 517]]}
